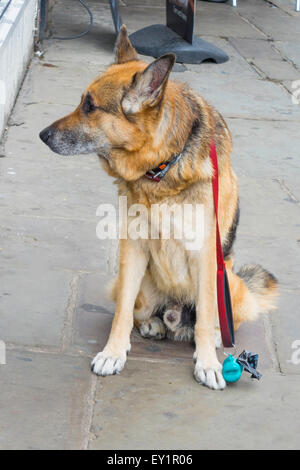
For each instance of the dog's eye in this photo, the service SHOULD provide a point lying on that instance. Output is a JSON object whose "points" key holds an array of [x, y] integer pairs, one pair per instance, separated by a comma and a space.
{"points": [[88, 105]]}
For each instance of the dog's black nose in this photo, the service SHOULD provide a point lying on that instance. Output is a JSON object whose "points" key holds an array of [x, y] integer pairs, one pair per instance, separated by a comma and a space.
{"points": [[45, 134]]}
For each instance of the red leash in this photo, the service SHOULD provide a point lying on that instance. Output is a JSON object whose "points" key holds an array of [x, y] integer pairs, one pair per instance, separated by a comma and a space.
{"points": [[223, 292]]}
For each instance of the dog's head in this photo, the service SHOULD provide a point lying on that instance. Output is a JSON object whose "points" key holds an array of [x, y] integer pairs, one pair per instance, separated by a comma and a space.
{"points": [[116, 109]]}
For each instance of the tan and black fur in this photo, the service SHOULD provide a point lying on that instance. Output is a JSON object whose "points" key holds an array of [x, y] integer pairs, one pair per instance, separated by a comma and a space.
{"points": [[134, 117]]}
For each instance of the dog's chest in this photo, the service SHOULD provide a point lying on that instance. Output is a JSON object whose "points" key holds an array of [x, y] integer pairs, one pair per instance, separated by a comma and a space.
{"points": [[169, 266], [175, 236]]}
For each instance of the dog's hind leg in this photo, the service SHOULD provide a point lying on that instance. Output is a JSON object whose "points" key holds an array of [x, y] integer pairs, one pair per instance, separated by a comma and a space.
{"points": [[148, 310], [153, 328]]}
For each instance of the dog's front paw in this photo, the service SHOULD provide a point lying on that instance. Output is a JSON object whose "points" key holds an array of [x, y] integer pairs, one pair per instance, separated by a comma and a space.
{"points": [[211, 376], [153, 328], [107, 363]]}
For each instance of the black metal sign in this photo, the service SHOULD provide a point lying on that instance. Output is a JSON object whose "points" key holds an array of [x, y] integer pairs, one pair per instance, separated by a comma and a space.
{"points": [[180, 17]]}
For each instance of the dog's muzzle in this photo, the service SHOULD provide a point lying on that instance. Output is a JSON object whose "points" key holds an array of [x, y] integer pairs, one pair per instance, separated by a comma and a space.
{"points": [[66, 142], [71, 141]]}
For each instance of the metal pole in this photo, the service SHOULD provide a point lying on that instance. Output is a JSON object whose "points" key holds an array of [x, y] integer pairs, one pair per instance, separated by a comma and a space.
{"points": [[43, 18], [5, 8], [234, 2], [116, 15]]}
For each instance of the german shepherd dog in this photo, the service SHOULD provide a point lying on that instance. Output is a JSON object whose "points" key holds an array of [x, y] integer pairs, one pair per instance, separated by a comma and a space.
{"points": [[135, 118]]}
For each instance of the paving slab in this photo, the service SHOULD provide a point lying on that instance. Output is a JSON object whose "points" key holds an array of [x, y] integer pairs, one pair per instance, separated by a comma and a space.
{"points": [[33, 305], [60, 201], [291, 50], [282, 213], [100, 39], [273, 22], [29, 167], [52, 243], [261, 236], [48, 185], [268, 150], [222, 21], [267, 251], [44, 401], [93, 313], [287, 6], [277, 69], [254, 48], [247, 98], [57, 82], [265, 148], [160, 406]]}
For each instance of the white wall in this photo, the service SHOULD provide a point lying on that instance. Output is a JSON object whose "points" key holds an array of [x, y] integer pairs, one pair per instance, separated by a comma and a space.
{"points": [[16, 43]]}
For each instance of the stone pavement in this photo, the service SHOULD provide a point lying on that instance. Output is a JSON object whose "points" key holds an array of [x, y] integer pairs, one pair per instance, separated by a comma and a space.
{"points": [[54, 314]]}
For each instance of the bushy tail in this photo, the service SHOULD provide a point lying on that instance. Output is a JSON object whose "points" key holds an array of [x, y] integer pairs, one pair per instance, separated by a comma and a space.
{"points": [[254, 290]]}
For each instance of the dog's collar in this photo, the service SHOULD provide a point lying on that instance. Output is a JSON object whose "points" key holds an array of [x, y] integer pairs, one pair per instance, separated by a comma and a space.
{"points": [[159, 172]]}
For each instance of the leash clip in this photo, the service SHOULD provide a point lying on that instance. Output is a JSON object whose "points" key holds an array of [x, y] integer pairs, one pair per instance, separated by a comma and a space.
{"points": [[229, 354]]}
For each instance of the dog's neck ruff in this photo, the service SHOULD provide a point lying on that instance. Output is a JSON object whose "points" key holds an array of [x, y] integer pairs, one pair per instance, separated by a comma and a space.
{"points": [[159, 172]]}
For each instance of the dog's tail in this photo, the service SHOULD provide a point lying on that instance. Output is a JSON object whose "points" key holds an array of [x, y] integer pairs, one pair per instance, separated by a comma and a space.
{"points": [[253, 290]]}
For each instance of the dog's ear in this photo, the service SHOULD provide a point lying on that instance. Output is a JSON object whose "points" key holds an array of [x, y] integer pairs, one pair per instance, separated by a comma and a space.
{"points": [[147, 87], [124, 49]]}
